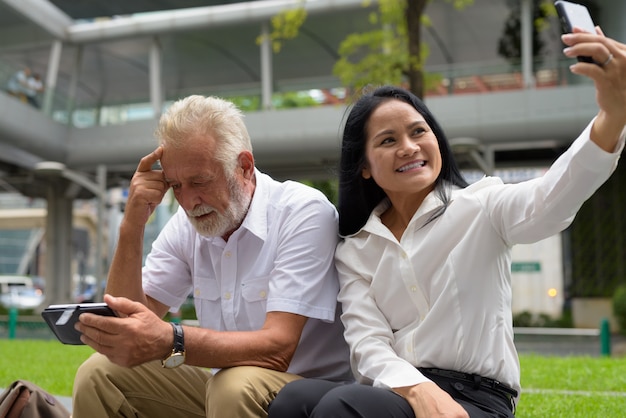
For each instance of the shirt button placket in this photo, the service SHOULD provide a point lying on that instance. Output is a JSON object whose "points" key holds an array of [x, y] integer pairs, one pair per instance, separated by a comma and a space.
{"points": [[409, 277], [228, 303]]}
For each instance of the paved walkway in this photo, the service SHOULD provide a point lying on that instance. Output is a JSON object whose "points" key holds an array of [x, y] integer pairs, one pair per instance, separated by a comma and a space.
{"points": [[558, 345], [66, 401]]}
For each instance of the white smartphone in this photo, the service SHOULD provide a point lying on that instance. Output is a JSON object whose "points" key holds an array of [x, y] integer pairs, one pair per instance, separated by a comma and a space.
{"points": [[573, 15]]}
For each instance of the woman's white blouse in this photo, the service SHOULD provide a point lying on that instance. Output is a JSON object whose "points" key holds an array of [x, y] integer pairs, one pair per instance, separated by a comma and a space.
{"points": [[441, 297]]}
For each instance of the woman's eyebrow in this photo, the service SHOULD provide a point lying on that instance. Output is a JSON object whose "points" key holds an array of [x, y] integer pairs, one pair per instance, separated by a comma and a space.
{"points": [[418, 122], [383, 133]]}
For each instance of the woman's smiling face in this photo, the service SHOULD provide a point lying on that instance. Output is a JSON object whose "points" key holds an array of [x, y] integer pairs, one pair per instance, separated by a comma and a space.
{"points": [[401, 151]]}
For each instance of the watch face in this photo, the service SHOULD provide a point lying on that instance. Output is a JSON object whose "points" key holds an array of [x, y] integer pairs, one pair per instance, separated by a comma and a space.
{"points": [[175, 360]]}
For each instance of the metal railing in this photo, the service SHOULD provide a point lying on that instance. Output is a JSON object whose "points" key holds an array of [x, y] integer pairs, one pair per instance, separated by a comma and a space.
{"points": [[455, 79]]}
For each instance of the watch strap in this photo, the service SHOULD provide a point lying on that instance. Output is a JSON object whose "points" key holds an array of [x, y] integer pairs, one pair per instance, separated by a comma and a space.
{"points": [[179, 338]]}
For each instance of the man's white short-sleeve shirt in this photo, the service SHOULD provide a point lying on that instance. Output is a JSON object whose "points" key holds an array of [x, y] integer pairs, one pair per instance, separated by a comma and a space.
{"points": [[280, 259]]}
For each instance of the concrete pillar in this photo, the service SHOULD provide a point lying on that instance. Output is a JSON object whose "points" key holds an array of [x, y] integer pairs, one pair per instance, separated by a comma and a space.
{"points": [[100, 270], [526, 20], [58, 243], [266, 68], [52, 75], [73, 87], [156, 81]]}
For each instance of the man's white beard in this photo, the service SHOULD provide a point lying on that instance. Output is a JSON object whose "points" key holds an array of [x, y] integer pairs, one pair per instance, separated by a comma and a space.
{"points": [[219, 224]]}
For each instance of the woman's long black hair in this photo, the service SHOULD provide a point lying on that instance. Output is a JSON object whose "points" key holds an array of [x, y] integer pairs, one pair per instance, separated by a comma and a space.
{"points": [[359, 196]]}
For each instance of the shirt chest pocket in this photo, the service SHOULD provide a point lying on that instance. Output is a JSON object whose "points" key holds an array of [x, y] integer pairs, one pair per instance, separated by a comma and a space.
{"points": [[254, 294], [255, 290], [206, 294], [243, 308]]}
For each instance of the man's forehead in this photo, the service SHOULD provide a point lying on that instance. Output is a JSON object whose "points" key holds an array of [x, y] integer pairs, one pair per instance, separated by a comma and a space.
{"points": [[193, 168], [196, 151]]}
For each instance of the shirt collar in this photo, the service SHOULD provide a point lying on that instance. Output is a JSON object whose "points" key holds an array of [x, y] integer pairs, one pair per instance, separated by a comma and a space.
{"points": [[256, 218], [431, 203]]}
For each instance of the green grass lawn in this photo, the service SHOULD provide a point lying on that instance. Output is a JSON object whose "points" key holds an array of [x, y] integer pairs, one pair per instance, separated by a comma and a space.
{"points": [[572, 387], [49, 364]]}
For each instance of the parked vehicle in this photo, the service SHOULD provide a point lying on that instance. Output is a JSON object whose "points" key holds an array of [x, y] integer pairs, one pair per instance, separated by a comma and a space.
{"points": [[10, 281], [22, 298], [19, 292]]}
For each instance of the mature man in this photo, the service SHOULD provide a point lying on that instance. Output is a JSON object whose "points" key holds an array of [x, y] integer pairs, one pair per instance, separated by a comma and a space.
{"points": [[257, 256]]}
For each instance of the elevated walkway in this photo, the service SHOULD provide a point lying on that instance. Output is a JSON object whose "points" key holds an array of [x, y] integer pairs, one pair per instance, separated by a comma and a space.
{"points": [[306, 141]]}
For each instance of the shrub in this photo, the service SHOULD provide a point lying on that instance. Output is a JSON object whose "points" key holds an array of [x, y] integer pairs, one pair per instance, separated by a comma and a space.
{"points": [[619, 307], [542, 320]]}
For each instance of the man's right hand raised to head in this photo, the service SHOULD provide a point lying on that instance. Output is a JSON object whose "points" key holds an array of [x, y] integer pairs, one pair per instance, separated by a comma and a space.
{"points": [[146, 191]]}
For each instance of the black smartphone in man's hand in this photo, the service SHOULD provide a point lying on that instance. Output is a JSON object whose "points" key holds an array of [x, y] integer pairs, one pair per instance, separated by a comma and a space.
{"points": [[61, 319]]}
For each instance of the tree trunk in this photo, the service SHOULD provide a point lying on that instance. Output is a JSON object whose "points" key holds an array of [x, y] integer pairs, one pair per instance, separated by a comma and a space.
{"points": [[415, 75]]}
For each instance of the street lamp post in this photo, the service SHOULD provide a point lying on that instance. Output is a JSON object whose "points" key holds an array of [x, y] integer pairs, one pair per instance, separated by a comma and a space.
{"points": [[58, 237]]}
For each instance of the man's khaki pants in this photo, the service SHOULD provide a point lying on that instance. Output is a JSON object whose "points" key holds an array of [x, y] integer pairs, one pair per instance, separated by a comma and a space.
{"points": [[103, 390]]}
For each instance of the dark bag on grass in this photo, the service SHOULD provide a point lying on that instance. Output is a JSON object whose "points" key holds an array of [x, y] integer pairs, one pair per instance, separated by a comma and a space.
{"points": [[24, 399]]}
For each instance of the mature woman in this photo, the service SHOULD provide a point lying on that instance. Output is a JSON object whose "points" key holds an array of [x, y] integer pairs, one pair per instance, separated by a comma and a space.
{"points": [[424, 264]]}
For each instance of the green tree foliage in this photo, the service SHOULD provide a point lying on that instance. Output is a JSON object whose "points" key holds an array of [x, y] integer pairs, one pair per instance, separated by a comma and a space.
{"points": [[381, 55], [289, 100], [510, 44], [598, 241], [285, 26], [330, 188], [286, 100], [390, 53]]}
